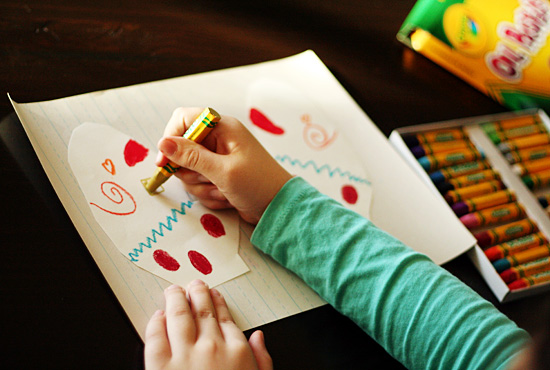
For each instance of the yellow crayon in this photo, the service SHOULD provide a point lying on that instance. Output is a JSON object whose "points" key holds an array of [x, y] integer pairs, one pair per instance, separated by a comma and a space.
{"points": [[201, 127], [458, 170], [483, 202], [541, 277], [537, 180], [440, 147], [493, 215], [509, 123], [528, 154], [467, 180], [527, 255], [436, 161], [526, 269], [434, 136], [471, 191], [530, 167], [515, 246], [474, 178], [524, 142], [506, 232], [499, 136]]}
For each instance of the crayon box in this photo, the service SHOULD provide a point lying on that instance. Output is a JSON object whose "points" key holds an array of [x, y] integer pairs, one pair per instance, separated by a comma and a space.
{"points": [[501, 47], [487, 168]]}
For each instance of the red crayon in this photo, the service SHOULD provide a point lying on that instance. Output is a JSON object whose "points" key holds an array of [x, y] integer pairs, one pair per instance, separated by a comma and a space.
{"points": [[526, 269], [530, 281], [505, 232], [515, 246]]}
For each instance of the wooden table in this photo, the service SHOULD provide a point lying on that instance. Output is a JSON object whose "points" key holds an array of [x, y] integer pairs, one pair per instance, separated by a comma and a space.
{"points": [[58, 311]]}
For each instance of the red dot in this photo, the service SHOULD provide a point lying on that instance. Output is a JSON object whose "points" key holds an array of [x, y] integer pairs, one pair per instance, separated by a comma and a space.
{"points": [[349, 193], [134, 153], [200, 262], [212, 225], [165, 260]]}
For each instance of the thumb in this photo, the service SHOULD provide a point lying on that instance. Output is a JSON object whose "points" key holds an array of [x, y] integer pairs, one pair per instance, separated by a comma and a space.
{"points": [[257, 343], [188, 154]]}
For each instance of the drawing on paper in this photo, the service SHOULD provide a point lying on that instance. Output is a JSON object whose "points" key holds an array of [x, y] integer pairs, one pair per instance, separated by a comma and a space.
{"points": [[119, 196], [300, 136], [169, 235]]}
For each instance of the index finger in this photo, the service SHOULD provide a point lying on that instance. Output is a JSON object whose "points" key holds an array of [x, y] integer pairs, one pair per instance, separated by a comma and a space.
{"points": [[181, 120], [180, 325]]}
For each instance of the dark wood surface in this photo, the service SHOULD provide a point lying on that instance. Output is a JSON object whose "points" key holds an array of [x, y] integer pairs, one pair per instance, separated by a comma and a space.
{"points": [[57, 310]]}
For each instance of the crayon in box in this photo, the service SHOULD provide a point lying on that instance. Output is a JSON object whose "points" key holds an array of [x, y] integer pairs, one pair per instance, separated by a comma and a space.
{"points": [[473, 129], [501, 47]]}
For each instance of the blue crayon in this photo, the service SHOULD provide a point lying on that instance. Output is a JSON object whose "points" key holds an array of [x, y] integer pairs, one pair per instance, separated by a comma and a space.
{"points": [[520, 258], [436, 161], [458, 170]]}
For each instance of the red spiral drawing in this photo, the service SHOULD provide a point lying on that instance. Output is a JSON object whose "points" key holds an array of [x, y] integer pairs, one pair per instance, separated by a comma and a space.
{"points": [[116, 196]]}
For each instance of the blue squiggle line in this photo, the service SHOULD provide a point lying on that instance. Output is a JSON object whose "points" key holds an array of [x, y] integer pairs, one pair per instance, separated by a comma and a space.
{"points": [[325, 167], [160, 232]]}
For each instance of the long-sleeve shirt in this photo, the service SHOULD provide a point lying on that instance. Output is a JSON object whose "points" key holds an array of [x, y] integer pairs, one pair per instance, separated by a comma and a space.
{"points": [[422, 315]]}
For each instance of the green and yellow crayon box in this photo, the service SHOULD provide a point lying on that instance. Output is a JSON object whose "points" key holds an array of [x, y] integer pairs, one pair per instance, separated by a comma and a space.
{"points": [[501, 47]]}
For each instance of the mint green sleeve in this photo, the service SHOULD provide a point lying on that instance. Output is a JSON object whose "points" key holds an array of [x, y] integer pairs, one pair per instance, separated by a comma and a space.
{"points": [[421, 314]]}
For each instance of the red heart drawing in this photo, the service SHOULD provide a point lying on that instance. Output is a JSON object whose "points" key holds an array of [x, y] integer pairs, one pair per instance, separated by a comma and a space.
{"points": [[134, 153], [109, 166], [260, 120]]}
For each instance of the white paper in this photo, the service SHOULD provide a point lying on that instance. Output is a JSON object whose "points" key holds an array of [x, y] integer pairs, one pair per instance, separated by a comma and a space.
{"points": [[167, 234], [401, 204], [303, 139]]}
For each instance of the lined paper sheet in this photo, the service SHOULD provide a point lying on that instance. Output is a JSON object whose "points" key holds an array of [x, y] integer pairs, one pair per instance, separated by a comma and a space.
{"points": [[268, 292]]}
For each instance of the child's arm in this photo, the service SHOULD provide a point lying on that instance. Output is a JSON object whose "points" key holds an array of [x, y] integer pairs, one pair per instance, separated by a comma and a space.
{"points": [[422, 315]]}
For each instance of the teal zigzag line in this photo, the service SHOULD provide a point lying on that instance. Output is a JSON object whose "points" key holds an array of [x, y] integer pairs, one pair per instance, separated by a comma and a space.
{"points": [[160, 232], [331, 172]]}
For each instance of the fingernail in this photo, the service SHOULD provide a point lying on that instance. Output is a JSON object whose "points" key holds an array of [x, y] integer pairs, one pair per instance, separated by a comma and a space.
{"points": [[168, 147], [159, 157], [217, 194], [198, 282], [201, 178], [158, 313], [172, 287]]}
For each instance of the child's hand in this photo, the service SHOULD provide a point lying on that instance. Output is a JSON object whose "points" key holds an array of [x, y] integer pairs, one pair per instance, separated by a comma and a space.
{"points": [[198, 332], [230, 168]]}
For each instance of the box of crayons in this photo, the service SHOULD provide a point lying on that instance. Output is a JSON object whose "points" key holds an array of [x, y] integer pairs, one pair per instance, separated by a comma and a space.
{"points": [[494, 173]]}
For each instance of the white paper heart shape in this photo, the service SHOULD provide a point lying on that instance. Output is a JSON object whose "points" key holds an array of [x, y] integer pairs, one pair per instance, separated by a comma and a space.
{"points": [[300, 136], [166, 234]]}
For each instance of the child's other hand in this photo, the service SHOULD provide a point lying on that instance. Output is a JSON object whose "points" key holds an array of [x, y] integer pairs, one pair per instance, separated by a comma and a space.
{"points": [[230, 168], [197, 331]]}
